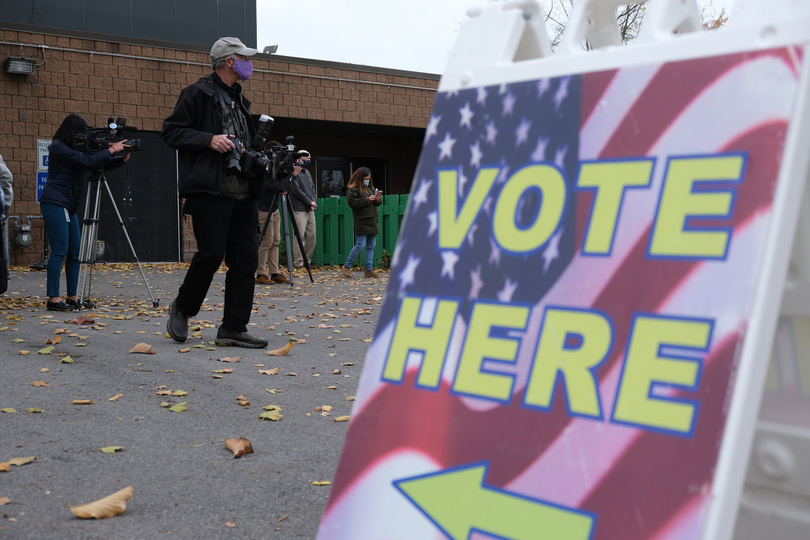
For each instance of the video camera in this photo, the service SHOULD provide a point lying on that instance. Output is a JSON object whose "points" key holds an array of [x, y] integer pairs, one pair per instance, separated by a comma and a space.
{"points": [[100, 138], [275, 161]]}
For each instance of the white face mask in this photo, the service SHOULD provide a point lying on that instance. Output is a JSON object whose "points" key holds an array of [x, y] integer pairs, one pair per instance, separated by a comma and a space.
{"points": [[366, 182]]}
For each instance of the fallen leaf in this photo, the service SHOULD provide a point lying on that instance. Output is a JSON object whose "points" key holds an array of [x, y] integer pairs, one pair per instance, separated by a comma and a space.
{"points": [[4, 500], [20, 461], [111, 449], [40, 383], [8, 410], [4, 467], [54, 341], [84, 319], [229, 524], [143, 348], [223, 371], [83, 401], [229, 359], [115, 397], [331, 387], [342, 418], [109, 506], [44, 370], [283, 350], [326, 408], [46, 350], [180, 407], [66, 360], [321, 483], [273, 371], [239, 447], [273, 413], [179, 393], [35, 410], [187, 349]]}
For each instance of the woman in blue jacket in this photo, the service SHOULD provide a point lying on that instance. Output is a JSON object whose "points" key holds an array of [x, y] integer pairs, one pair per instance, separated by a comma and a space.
{"points": [[60, 201]]}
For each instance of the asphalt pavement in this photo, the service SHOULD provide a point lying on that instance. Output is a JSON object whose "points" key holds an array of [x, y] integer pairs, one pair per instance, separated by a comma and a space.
{"points": [[186, 484]]}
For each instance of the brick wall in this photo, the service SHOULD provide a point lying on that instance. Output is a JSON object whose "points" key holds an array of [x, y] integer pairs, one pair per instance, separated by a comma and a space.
{"points": [[98, 79]]}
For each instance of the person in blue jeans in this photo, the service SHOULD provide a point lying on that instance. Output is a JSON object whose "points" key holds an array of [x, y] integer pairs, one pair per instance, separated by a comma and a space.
{"points": [[60, 201], [363, 199]]}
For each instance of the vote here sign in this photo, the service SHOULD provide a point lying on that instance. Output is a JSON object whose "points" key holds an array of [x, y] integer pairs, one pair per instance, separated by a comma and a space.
{"points": [[567, 305]]}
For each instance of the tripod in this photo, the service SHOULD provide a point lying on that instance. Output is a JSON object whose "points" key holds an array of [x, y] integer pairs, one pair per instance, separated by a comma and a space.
{"points": [[88, 246], [285, 207]]}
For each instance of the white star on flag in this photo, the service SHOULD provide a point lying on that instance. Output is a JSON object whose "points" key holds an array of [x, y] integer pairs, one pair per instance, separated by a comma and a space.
{"points": [[505, 294], [476, 283], [492, 132], [522, 132], [408, 274], [562, 92], [433, 218], [552, 250], [508, 103], [476, 155], [433, 127], [446, 147], [466, 116], [450, 258], [421, 195]]}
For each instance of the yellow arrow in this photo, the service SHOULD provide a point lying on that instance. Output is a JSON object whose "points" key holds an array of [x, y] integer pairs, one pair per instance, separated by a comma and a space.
{"points": [[458, 502]]}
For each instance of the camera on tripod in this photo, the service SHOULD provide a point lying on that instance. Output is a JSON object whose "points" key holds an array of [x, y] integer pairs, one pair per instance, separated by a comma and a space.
{"points": [[100, 138]]}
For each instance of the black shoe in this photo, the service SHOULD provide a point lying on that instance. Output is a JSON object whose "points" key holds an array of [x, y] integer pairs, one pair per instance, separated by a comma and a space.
{"points": [[239, 339], [177, 325], [59, 306], [86, 304]]}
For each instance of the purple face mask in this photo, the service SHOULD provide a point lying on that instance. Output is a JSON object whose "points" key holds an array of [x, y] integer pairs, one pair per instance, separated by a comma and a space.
{"points": [[243, 68]]}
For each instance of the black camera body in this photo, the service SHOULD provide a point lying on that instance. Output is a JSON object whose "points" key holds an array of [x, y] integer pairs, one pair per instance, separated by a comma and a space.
{"points": [[249, 161], [100, 138]]}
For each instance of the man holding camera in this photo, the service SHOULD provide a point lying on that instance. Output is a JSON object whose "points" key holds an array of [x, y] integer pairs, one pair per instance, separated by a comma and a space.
{"points": [[208, 115], [304, 203]]}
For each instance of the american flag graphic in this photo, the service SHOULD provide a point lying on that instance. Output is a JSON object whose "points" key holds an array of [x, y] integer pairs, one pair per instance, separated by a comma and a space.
{"points": [[632, 483]]}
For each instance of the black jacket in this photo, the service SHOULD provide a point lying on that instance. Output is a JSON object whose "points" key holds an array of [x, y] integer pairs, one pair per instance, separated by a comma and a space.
{"points": [[66, 168], [196, 118], [364, 212]]}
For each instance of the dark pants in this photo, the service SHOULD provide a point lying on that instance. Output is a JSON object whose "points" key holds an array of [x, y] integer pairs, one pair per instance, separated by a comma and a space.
{"points": [[224, 228]]}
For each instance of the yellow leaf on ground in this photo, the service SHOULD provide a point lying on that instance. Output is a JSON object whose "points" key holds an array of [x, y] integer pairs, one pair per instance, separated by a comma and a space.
{"points": [[239, 447], [111, 449], [273, 413], [115, 397], [179, 393], [4, 467], [4, 500], [229, 359], [25, 352], [83, 401], [180, 407], [44, 370], [187, 349], [321, 483], [8, 410], [46, 350], [273, 371], [283, 350], [342, 418], [109, 506], [35, 410], [66, 360], [143, 348], [20, 461], [40, 383], [54, 341]]}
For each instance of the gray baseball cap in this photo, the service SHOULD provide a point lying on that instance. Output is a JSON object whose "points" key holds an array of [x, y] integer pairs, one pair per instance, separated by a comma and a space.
{"points": [[225, 47]]}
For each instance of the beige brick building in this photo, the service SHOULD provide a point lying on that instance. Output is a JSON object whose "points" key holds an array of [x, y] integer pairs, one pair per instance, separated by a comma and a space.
{"points": [[346, 115]]}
